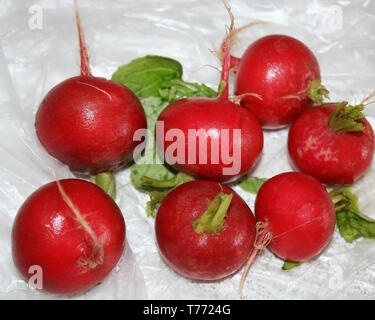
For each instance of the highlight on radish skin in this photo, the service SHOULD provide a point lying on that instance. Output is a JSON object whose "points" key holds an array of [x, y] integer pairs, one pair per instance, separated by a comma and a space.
{"points": [[88, 122]]}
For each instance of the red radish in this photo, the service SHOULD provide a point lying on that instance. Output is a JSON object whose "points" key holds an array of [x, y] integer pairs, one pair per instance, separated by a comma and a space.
{"points": [[88, 122], [295, 217], [204, 230], [334, 143], [216, 121], [285, 73], [73, 230]]}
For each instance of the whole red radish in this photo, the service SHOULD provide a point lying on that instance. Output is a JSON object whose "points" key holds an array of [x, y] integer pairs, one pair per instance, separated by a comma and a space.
{"points": [[285, 73], [295, 218], [298, 212], [204, 230], [210, 138], [88, 122], [73, 230], [334, 143]]}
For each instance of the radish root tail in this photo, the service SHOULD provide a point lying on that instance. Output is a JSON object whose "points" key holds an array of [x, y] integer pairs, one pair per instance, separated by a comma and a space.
{"points": [[85, 61], [224, 83], [234, 61], [97, 256], [262, 239], [372, 95]]}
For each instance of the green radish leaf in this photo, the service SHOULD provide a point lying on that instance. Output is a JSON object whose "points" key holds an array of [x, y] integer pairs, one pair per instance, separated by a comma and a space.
{"points": [[177, 89], [351, 222], [154, 171], [156, 76], [252, 184], [290, 264], [144, 76], [157, 188]]}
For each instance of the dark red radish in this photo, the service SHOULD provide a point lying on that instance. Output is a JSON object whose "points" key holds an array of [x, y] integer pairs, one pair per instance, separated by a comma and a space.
{"points": [[295, 218], [285, 73], [88, 122], [73, 230], [211, 138], [334, 143], [204, 230]]}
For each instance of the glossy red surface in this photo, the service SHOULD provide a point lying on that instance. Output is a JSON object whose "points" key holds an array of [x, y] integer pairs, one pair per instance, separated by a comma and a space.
{"points": [[88, 123], [47, 233]]}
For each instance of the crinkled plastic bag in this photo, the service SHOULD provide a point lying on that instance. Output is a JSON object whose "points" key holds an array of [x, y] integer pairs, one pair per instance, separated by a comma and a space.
{"points": [[39, 49]]}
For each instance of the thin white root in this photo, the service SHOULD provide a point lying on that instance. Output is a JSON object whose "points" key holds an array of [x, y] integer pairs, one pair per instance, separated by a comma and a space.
{"points": [[372, 95], [97, 255], [238, 99]]}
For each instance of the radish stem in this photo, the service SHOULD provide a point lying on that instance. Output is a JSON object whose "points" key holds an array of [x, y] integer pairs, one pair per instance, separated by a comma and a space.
{"points": [[212, 220], [106, 181]]}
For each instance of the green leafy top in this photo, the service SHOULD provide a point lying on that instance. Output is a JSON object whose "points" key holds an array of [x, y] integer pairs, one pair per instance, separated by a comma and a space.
{"points": [[318, 92], [344, 118], [351, 222], [213, 219]]}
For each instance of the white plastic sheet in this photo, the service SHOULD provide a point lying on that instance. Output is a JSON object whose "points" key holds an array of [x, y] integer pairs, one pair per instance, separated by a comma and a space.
{"points": [[37, 54]]}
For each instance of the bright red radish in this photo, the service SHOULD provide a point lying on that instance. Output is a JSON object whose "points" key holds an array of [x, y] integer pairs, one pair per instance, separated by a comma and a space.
{"points": [[228, 139], [204, 230], [73, 230], [285, 73], [334, 143], [88, 122], [295, 217]]}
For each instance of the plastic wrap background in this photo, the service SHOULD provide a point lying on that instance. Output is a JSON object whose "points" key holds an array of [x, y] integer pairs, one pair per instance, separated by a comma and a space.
{"points": [[32, 61]]}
